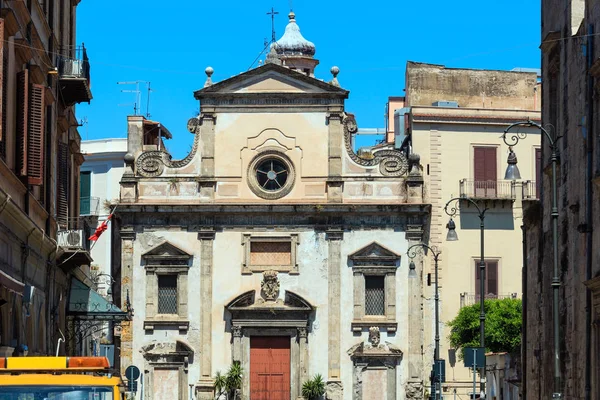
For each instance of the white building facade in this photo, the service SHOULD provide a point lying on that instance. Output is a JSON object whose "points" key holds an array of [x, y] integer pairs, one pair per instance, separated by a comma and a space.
{"points": [[272, 244]]}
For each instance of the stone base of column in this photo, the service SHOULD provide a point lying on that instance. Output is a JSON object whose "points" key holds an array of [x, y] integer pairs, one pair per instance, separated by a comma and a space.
{"points": [[205, 389], [334, 390], [414, 389]]}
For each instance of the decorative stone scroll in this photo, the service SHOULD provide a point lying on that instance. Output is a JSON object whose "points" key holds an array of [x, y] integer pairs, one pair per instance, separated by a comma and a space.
{"points": [[391, 162], [152, 163]]}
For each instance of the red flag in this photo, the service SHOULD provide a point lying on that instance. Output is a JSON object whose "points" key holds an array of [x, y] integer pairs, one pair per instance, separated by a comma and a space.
{"points": [[103, 226]]}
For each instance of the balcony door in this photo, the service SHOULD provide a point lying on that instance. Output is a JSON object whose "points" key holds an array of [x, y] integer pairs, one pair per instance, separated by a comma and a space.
{"points": [[484, 171]]}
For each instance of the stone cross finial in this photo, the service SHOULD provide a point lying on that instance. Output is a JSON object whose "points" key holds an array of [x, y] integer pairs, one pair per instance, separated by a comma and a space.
{"points": [[208, 71], [335, 71]]}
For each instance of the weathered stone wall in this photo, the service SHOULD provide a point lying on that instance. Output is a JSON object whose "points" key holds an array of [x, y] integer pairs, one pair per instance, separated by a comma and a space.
{"points": [[428, 83], [565, 76]]}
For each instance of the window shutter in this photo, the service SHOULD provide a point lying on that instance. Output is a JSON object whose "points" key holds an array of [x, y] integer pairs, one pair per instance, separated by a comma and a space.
{"points": [[479, 164], [2, 93], [538, 171], [62, 199], [490, 164], [492, 278], [35, 139], [22, 120]]}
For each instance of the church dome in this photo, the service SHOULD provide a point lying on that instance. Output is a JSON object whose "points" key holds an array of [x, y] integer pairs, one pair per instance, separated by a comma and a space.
{"points": [[292, 43]]}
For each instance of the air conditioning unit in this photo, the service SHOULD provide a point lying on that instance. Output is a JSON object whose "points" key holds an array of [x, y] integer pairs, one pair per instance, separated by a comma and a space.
{"points": [[70, 238]]}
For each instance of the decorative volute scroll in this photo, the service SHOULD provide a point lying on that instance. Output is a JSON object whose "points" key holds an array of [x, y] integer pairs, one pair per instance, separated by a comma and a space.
{"points": [[391, 162], [153, 163]]}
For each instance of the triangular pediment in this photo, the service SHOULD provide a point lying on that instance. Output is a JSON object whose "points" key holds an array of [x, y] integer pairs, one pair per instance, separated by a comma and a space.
{"points": [[374, 252], [166, 249], [271, 78]]}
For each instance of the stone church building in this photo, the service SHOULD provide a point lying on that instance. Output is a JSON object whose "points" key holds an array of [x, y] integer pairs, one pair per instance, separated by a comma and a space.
{"points": [[273, 243]]}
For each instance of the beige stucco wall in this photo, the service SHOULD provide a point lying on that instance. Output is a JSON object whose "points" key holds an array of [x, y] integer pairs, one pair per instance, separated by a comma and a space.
{"points": [[446, 150]]}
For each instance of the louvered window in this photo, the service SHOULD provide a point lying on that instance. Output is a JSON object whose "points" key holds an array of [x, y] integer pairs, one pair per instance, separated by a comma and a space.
{"points": [[62, 196], [491, 279], [3, 100], [485, 169], [35, 145], [374, 295], [22, 120], [167, 294]]}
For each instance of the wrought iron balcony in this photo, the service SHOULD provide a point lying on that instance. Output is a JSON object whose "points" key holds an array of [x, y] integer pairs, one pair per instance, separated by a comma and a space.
{"points": [[468, 299], [74, 77], [89, 205], [493, 190], [530, 190]]}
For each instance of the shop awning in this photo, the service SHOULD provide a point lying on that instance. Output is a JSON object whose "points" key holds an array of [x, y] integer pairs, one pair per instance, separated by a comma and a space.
{"points": [[86, 303], [11, 283]]}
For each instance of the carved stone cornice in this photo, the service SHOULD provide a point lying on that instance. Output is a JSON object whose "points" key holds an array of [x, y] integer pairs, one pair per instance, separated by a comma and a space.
{"points": [[206, 234], [334, 234]]}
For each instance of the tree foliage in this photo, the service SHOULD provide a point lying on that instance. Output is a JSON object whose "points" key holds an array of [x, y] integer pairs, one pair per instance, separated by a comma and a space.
{"points": [[502, 326], [313, 389], [229, 383]]}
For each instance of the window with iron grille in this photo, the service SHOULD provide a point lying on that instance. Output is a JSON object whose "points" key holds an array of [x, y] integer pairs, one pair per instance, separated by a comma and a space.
{"points": [[263, 253], [374, 295], [167, 294], [270, 253]]}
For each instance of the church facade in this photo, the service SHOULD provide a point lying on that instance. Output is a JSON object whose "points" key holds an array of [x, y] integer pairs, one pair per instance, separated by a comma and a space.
{"points": [[273, 244]]}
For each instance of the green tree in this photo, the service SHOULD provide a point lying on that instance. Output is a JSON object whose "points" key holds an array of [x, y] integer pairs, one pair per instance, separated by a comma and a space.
{"points": [[230, 383], [502, 326], [313, 389]]}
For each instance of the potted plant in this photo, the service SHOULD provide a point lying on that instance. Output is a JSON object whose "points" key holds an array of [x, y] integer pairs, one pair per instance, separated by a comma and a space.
{"points": [[314, 388], [230, 383]]}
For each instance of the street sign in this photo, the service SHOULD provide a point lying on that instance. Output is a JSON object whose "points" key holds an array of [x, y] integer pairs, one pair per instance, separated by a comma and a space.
{"points": [[474, 356]]}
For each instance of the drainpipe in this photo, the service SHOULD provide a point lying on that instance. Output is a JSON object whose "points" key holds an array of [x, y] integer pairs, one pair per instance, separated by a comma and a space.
{"points": [[524, 317], [588, 129]]}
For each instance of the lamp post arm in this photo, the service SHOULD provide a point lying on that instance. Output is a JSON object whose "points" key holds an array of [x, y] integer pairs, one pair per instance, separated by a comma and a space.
{"points": [[513, 138], [435, 253], [454, 209]]}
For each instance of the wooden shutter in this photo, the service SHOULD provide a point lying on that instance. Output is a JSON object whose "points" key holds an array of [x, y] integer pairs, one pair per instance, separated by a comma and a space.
{"points": [[62, 196], [22, 120], [538, 172], [484, 171], [84, 193], [35, 136], [2, 93], [492, 278]]}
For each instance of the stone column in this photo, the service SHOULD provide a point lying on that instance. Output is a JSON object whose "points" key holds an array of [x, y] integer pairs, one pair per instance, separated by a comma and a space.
{"points": [[127, 293], [205, 386], [303, 343], [334, 383], [236, 331], [414, 356], [336, 147]]}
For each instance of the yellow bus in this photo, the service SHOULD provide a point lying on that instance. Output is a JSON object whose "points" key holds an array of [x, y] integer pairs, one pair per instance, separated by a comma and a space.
{"points": [[58, 378]]}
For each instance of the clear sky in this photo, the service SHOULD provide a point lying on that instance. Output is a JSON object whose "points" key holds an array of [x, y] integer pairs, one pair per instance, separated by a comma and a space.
{"points": [[170, 43]]}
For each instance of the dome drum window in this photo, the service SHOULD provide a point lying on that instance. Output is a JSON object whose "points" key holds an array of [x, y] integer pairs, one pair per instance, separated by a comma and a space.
{"points": [[271, 175]]}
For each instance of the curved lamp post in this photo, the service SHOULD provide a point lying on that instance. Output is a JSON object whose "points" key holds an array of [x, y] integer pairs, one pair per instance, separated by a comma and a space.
{"points": [[412, 252], [512, 173], [451, 208]]}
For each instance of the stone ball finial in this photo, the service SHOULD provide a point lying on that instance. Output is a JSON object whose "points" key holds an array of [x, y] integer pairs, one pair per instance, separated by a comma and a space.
{"points": [[209, 71], [335, 71], [129, 158], [291, 16]]}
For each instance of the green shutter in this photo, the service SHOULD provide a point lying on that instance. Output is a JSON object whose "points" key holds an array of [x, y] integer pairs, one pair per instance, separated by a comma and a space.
{"points": [[84, 192]]}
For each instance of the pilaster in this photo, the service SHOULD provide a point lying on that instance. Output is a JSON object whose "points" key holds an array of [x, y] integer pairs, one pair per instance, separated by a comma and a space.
{"points": [[205, 386], [414, 385], [127, 239], [334, 384], [303, 344], [207, 144], [336, 148]]}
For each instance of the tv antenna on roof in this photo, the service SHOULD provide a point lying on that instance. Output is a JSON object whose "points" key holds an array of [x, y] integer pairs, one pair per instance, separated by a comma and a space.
{"points": [[138, 96]]}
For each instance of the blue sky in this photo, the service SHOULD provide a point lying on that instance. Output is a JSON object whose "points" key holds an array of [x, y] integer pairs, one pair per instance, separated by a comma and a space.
{"points": [[148, 40]]}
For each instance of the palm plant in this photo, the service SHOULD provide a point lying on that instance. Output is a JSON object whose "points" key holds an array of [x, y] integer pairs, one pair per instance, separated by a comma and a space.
{"points": [[314, 388], [229, 383]]}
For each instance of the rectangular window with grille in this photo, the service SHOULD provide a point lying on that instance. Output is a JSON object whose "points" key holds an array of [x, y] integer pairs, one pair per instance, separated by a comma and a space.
{"points": [[270, 253], [167, 294], [374, 295]]}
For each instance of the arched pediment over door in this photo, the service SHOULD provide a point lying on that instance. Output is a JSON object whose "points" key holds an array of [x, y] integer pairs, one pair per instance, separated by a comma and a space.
{"points": [[253, 317], [167, 366]]}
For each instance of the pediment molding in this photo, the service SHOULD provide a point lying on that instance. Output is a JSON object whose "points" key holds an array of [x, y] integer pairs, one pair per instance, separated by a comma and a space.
{"points": [[249, 301], [293, 80], [166, 253], [374, 254]]}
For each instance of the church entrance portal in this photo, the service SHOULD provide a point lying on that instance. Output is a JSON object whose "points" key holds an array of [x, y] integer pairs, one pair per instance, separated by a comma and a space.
{"points": [[270, 367]]}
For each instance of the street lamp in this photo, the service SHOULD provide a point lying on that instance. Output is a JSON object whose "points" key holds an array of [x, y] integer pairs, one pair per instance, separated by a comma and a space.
{"points": [[512, 140], [412, 253], [452, 236]]}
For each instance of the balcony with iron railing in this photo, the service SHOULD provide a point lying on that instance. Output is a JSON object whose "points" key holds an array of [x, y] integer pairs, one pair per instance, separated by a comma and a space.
{"points": [[89, 205], [74, 76], [493, 190], [530, 191], [468, 299]]}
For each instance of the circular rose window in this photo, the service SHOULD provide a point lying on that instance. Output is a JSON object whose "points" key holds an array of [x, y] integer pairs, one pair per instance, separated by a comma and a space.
{"points": [[271, 175]]}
